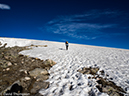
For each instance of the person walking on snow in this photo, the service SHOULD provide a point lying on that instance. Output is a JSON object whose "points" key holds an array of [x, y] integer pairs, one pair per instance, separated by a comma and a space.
{"points": [[67, 45]]}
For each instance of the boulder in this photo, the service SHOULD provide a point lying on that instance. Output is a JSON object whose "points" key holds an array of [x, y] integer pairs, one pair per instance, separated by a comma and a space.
{"points": [[49, 62], [38, 85], [38, 71]]}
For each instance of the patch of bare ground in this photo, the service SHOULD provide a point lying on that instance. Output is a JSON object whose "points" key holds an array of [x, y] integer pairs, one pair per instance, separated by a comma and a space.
{"points": [[104, 85], [28, 72]]}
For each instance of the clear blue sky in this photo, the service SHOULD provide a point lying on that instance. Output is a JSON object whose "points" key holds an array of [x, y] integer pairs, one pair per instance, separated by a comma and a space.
{"points": [[90, 22]]}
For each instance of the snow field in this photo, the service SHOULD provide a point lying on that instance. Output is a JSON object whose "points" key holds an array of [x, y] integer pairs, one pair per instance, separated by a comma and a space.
{"points": [[64, 78]]}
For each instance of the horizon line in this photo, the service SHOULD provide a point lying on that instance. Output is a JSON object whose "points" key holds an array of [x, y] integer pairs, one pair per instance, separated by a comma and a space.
{"points": [[62, 42]]}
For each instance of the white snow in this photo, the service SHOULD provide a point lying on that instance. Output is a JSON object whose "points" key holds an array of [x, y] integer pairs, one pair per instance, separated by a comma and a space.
{"points": [[64, 75]]}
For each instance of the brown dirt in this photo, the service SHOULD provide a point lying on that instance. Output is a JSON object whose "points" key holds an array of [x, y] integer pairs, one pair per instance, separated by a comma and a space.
{"points": [[14, 66]]}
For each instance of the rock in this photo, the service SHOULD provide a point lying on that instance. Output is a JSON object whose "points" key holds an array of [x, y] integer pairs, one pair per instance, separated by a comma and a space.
{"points": [[110, 91], [0, 43], [47, 68], [38, 71], [23, 70], [42, 77], [37, 45], [104, 85], [27, 78], [33, 60], [4, 45], [6, 57], [49, 62], [27, 84], [92, 71], [9, 64], [45, 45], [44, 72], [15, 64], [7, 69], [38, 85], [109, 87]]}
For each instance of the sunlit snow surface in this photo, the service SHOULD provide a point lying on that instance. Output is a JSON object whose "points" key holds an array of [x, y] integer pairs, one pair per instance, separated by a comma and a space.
{"points": [[115, 62]]}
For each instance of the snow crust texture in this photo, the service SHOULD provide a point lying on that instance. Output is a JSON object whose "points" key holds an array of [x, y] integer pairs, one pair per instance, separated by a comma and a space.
{"points": [[64, 78]]}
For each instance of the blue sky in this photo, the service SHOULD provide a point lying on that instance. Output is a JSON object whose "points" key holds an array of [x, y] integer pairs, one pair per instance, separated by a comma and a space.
{"points": [[90, 22]]}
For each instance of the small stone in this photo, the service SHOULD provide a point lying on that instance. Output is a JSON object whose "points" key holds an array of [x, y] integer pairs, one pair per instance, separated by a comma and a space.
{"points": [[98, 78], [26, 72], [34, 77], [23, 70], [9, 64], [27, 78], [15, 64], [7, 69], [33, 60], [38, 80], [6, 57]]}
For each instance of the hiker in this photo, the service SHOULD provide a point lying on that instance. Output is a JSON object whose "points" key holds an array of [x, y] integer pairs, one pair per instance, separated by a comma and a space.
{"points": [[67, 45]]}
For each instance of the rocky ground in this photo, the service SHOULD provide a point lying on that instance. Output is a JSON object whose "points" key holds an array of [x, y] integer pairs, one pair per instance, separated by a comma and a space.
{"points": [[104, 85], [28, 72]]}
